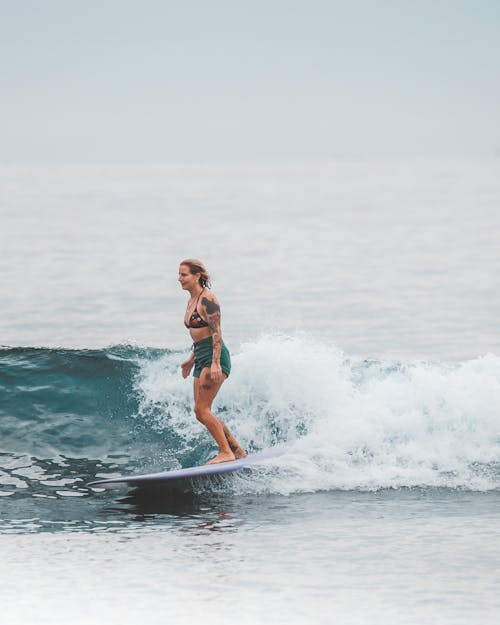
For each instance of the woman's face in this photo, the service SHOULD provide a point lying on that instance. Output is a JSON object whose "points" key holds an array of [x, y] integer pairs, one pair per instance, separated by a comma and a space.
{"points": [[187, 279]]}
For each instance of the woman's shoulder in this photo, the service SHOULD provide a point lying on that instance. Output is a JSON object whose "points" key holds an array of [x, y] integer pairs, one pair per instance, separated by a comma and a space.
{"points": [[209, 300], [209, 294]]}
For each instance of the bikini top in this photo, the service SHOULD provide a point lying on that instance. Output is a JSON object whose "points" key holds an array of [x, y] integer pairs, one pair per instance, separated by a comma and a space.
{"points": [[196, 321]]}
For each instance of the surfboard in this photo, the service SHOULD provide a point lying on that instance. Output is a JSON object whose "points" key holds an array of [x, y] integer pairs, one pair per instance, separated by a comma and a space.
{"points": [[206, 470]]}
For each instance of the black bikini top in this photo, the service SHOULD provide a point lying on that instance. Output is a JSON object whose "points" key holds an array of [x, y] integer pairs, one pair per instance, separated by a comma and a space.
{"points": [[196, 321]]}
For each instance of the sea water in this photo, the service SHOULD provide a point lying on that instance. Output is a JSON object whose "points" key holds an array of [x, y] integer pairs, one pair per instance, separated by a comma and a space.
{"points": [[360, 303]]}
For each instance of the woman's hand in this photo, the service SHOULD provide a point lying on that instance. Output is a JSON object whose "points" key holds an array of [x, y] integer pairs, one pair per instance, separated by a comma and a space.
{"points": [[216, 373], [186, 366]]}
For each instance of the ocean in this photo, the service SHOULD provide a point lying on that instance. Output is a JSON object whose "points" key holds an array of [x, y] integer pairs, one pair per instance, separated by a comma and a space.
{"points": [[360, 302]]}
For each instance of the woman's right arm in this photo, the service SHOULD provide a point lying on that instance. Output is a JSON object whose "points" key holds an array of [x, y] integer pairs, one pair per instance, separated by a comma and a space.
{"points": [[187, 365]]}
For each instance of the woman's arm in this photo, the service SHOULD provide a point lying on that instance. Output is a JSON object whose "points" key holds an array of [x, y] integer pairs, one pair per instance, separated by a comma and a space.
{"points": [[187, 365], [211, 310]]}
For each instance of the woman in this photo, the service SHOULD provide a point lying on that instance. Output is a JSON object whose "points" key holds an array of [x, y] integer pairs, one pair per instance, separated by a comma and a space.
{"points": [[210, 357]]}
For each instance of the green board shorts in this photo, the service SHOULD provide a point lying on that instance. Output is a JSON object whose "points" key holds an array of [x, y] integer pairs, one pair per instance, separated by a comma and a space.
{"points": [[203, 351]]}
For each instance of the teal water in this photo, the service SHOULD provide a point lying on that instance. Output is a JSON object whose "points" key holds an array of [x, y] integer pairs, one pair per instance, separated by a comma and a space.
{"points": [[71, 416]]}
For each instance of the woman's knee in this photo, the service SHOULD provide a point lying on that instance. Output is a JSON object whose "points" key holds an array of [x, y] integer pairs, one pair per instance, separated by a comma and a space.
{"points": [[202, 412]]}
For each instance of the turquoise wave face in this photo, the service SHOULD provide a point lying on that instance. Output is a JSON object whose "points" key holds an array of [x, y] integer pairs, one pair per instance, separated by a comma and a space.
{"points": [[68, 414], [71, 402]]}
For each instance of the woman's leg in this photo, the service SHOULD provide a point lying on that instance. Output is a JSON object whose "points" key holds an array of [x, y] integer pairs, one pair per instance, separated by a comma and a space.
{"points": [[236, 448], [204, 393]]}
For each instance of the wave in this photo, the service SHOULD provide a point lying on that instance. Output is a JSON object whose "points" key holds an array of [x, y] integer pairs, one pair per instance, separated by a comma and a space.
{"points": [[68, 416]]}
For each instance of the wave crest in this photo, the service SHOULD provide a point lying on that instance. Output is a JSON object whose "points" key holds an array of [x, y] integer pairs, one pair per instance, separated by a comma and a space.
{"points": [[348, 423]]}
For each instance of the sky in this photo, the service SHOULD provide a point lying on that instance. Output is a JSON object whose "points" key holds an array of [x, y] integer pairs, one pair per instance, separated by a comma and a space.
{"points": [[234, 80]]}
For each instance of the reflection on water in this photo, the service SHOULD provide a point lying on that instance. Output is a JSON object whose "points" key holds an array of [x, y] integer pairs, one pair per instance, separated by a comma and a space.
{"points": [[177, 508], [134, 511], [131, 510]]}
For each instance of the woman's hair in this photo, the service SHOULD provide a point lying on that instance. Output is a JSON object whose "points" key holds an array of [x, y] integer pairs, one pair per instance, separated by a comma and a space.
{"points": [[196, 266]]}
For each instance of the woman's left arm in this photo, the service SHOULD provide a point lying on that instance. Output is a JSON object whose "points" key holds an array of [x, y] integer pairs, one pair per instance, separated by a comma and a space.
{"points": [[212, 313]]}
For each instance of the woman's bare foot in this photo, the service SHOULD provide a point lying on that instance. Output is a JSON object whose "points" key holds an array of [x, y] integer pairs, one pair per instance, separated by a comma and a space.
{"points": [[239, 453], [222, 457]]}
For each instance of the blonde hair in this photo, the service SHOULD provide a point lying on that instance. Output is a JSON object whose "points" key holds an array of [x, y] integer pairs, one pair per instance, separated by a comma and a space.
{"points": [[196, 266]]}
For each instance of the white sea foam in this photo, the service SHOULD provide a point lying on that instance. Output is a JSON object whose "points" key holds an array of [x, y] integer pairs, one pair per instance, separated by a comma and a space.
{"points": [[348, 424]]}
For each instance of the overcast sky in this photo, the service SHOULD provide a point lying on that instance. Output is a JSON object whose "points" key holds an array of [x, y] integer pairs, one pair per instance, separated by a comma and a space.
{"points": [[210, 80]]}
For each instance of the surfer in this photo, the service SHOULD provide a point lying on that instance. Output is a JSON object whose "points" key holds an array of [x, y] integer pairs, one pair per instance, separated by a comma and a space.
{"points": [[210, 357]]}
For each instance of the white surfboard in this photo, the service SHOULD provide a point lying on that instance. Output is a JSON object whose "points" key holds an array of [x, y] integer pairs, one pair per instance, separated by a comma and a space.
{"points": [[205, 470]]}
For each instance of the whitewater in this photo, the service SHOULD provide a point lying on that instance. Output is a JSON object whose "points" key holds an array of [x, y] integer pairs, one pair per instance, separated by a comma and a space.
{"points": [[346, 424], [360, 304]]}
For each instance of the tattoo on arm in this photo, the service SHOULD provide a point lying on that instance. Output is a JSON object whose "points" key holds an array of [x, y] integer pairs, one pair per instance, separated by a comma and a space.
{"points": [[211, 306], [213, 320]]}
